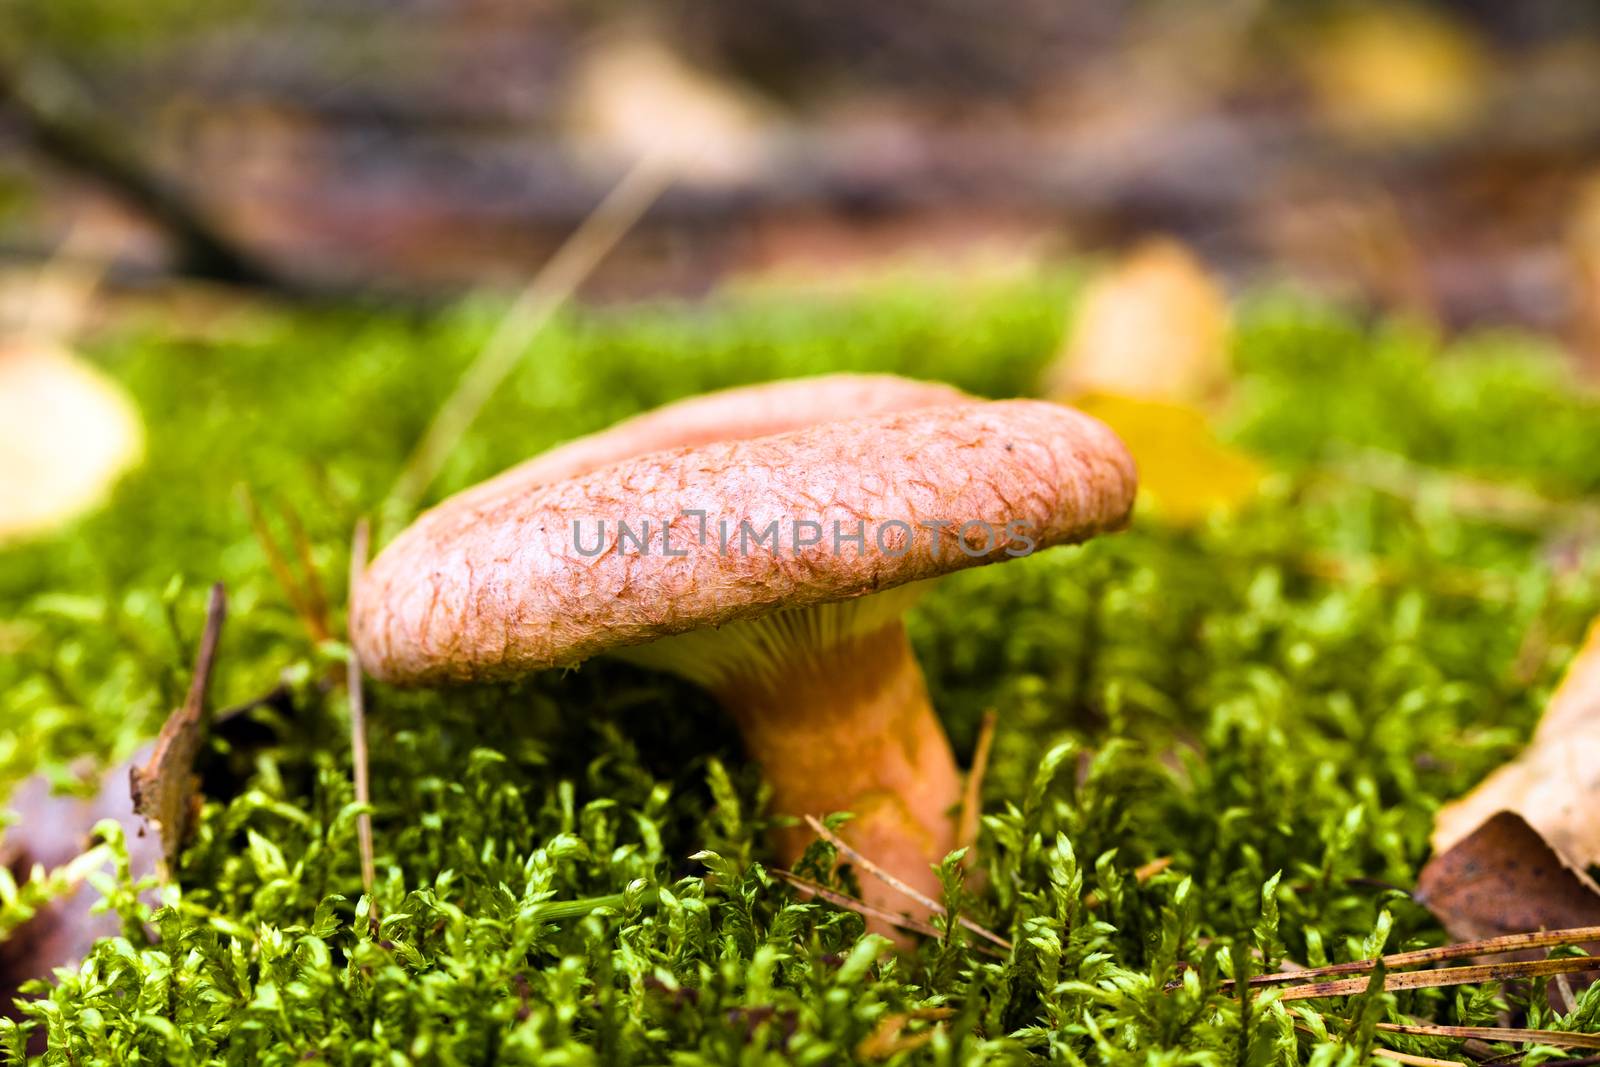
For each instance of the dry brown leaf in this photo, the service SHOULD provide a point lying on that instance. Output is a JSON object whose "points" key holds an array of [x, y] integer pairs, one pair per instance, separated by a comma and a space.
{"points": [[51, 832], [166, 790], [1503, 879], [1154, 326], [1147, 356], [888, 1038], [1555, 783], [66, 433]]}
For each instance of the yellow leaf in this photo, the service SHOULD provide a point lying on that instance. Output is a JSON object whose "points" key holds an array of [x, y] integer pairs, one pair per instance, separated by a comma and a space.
{"points": [[1185, 471], [1148, 350], [1395, 70]]}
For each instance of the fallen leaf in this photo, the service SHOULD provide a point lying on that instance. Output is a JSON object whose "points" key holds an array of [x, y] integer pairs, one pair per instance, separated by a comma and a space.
{"points": [[66, 433], [1148, 356], [1555, 783], [1155, 325], [634, 98], [50, 836], [166, 790], [1395, 70], [888, 1038], [1185, 470], [1503, 878]]}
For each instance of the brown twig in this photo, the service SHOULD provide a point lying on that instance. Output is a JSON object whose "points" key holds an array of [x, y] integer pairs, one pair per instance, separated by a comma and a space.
{"points": [[1492, 946], [1414, 1061], [358, 714], [897, 885], [860, 907], [972, 794], [166, 790], [1446, 976], [550, 288], [1496, 1033]]}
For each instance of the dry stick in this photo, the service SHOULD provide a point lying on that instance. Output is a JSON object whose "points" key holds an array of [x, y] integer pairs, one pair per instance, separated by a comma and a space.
{"points": [[972, 795], [1415, 1061], [1445, 976], [897, 885], [358, 715], [861, 907], [1492, 946], [216, 612], [1496, 1033], [551, 287]]}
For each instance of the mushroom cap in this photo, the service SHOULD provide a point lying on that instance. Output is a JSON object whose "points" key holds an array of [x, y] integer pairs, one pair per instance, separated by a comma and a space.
{"points": [[724, 415], [497, 587]]}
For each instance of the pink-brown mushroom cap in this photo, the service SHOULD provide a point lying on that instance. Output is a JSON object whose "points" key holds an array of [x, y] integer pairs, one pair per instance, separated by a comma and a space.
{"points": [[725, 415], [494, 586]]}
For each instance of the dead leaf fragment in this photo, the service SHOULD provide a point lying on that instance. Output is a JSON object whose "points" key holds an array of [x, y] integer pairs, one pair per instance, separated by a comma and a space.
{"points": [[634, 98], [888, 1038], [166, 790], [1148, 357], [66, 433], [51, 834], [1185, 470], [1555, 783], [1503, 878], [1153, 326]]}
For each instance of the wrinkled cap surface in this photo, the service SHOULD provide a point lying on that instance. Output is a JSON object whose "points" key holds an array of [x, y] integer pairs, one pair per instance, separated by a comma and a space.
{"points": [[540, 574]]}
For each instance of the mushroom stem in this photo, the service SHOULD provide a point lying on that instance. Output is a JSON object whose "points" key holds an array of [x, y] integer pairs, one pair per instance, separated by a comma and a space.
{"points": [[851, 729]]}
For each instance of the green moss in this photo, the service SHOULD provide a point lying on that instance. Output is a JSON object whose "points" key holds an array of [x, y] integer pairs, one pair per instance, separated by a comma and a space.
{"points": [[570, 870]]}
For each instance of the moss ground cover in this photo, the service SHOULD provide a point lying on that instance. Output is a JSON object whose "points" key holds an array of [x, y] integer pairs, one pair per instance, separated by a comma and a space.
{"points": [[571, 870]]}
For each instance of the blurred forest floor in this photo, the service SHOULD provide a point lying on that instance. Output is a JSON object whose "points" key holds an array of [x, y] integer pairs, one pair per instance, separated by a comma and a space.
{"points": [[1439, 159]]}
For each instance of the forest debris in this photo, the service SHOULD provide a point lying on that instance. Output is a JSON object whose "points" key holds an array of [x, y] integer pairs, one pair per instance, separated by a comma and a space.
{"points": [[166, 790], [1149, 357], [1443, 978], [1155, 325], [1396, 71], [358, 714], [886, 1040], [1492, 946], [634, 98], [972, 793], [933, 906], [66, 434], [1504, 878], [546, 292], [1555, 783], [47, 845], [1507, 1034], [1583, 251]]}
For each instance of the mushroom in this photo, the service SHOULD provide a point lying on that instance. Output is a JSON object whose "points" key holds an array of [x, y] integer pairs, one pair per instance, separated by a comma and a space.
{"points": [[772, 569]]}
